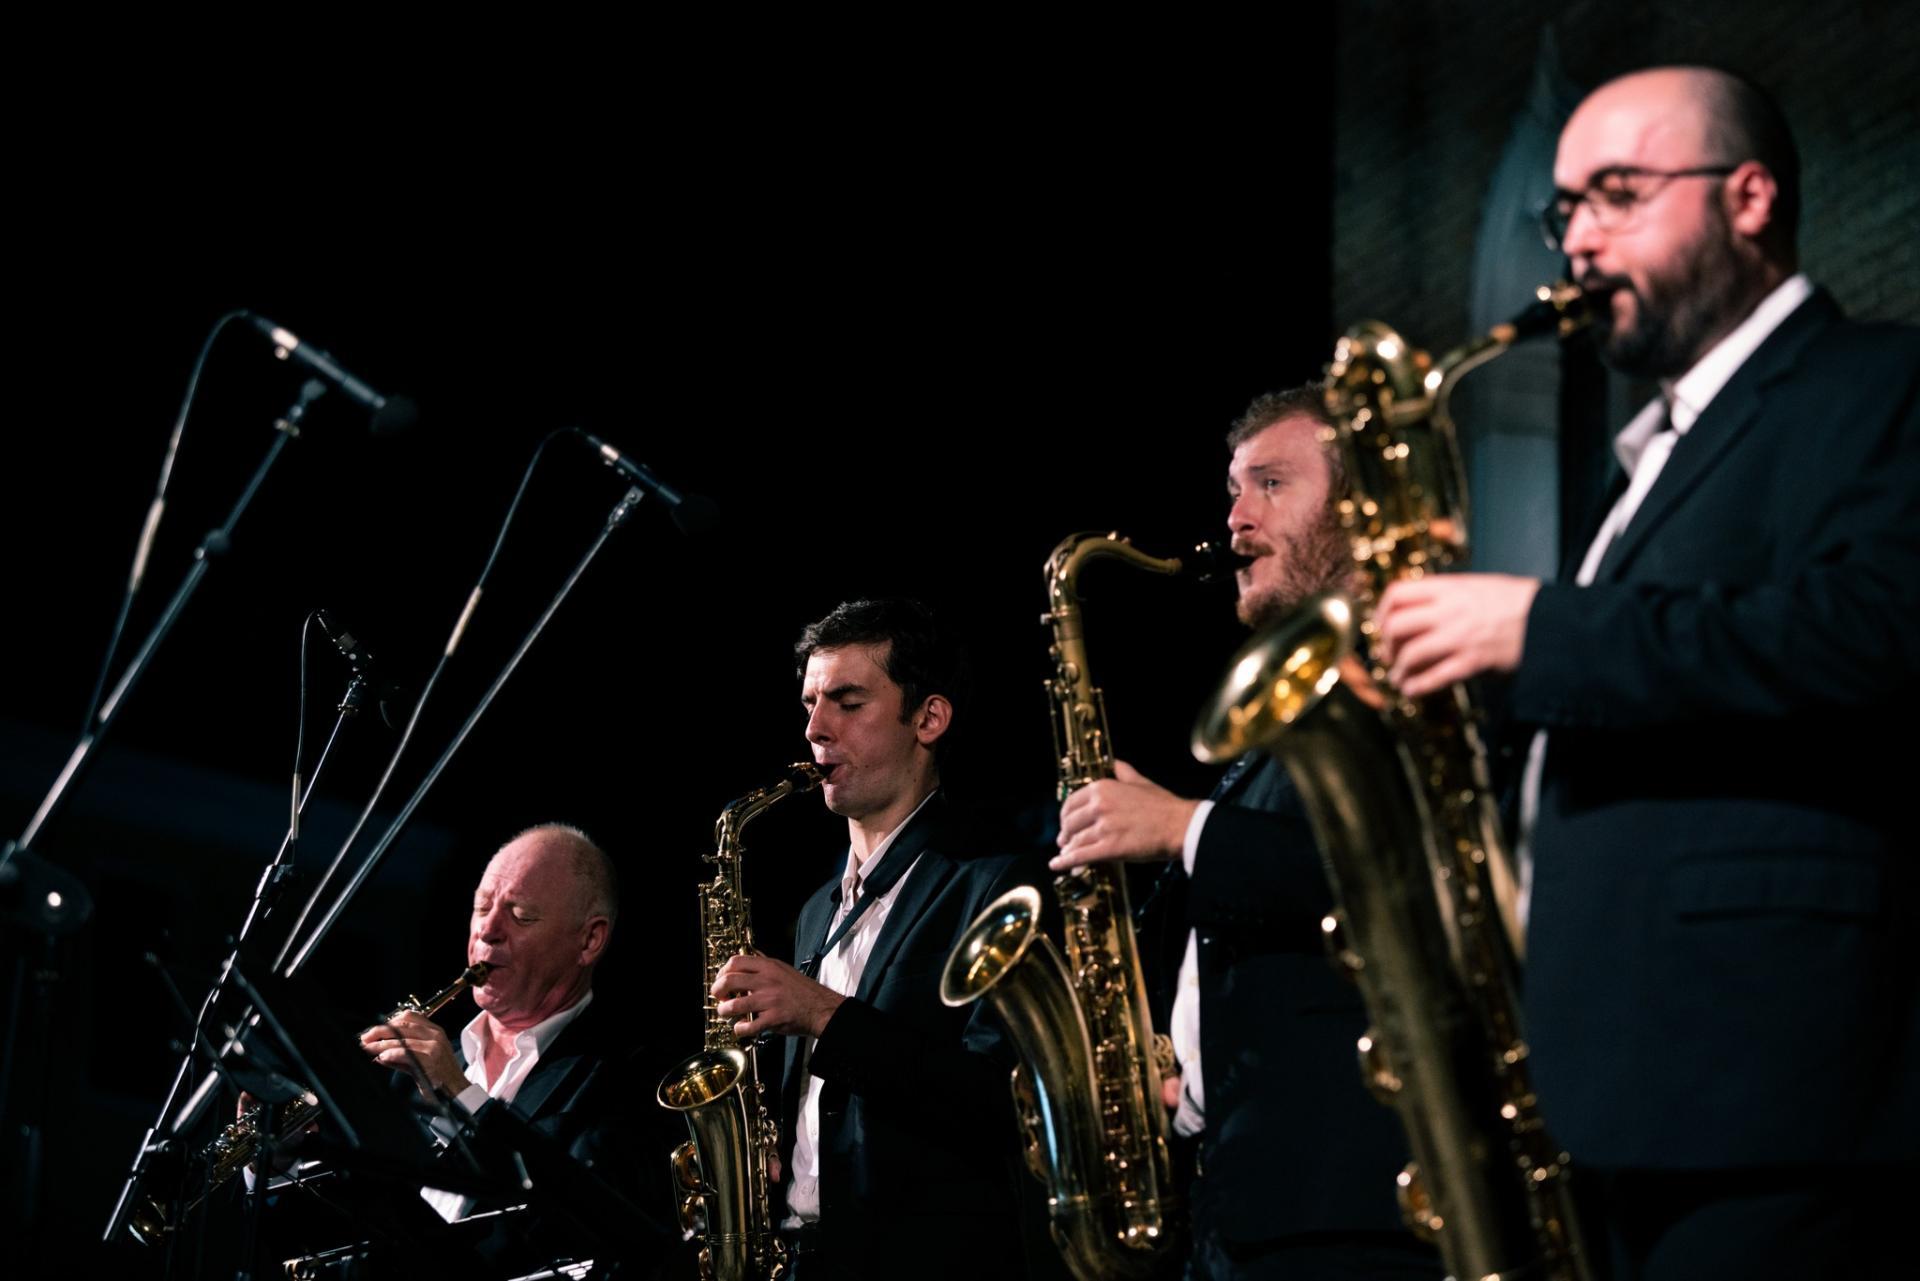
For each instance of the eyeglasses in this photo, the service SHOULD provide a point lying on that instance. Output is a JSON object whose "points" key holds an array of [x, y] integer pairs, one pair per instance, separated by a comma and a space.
{"points": [[1614, 197]]}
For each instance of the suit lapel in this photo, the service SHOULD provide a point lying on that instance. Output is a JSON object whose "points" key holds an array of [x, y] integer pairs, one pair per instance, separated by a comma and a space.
{"points": [[933, 872], [1232, 778], [1724, 422], [562, 1070], [916, 892]]}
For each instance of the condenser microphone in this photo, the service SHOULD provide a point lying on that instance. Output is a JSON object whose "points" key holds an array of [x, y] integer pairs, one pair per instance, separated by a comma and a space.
{"points": [[390, 413], [694, 513], [390, 696]]}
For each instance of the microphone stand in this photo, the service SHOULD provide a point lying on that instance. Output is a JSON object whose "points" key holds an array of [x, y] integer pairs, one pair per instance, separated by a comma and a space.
{"points": [[615, 519], [267, 893], [38, 899]]}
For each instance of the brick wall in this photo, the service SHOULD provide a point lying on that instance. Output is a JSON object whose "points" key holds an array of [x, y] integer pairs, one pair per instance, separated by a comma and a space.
{"points": [[1427, 92]]}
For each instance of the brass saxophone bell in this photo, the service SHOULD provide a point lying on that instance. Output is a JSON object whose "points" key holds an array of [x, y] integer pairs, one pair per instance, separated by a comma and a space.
{"points": [[1276, 678]]}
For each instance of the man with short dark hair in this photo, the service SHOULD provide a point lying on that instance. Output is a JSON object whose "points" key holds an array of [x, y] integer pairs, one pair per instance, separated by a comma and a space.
{"points": [[897, 1126], [1297, 1161], [1723, 1008]]}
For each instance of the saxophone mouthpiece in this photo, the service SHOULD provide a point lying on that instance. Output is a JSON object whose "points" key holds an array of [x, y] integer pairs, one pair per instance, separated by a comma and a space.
{"points": [[1560, 307], [1216, 562]]}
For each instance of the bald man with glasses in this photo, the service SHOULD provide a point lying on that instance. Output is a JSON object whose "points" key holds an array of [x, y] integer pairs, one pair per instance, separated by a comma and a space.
{"points": [[1724, 1018]]}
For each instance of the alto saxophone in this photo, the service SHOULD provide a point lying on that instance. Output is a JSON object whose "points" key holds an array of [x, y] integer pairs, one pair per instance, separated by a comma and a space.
{"points": [[1399, 796], [1087, 1091], [720, 1173], [235, 1146]]}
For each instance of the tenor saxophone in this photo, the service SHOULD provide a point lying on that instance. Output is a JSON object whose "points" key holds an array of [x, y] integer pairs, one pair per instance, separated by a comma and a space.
{"points": [[234, 1148], [1399, 797], [720, 1173], [1087, 1091]]}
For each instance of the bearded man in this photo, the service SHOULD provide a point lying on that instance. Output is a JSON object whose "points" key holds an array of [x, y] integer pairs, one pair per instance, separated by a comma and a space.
{"points": [[1724, 1011], [1296, 1160]]}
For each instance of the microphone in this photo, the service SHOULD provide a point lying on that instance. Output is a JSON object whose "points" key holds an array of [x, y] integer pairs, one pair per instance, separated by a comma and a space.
{"points": [[358, 656], [693, 513], [360, 659], [390, 413]]}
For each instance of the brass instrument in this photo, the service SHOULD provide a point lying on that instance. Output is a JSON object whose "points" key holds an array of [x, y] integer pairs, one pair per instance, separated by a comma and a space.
{"points": [[233, 1149], [720, 1173], [1087, 1092], [1399, 795]]}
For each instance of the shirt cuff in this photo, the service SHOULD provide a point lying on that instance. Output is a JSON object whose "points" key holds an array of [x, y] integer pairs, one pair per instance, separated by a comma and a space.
{"points": [[472, 1097], [1189, 1120], [1190, 847]]}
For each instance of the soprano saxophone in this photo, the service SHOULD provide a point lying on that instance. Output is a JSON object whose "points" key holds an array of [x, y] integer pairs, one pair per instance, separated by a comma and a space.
{"points": [[1398, 793], [720, 1173], [233, 1149], [1087, 1092]]}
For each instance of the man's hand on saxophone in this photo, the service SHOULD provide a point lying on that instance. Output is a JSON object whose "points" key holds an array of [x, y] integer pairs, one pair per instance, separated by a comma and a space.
{"points": [[1445, 628], [1128, 816], [765, 996], [415, 1044]]}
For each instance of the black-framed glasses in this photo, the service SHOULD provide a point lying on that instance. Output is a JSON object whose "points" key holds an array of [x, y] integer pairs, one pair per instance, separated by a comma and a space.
{"points": [[1614, 196]]}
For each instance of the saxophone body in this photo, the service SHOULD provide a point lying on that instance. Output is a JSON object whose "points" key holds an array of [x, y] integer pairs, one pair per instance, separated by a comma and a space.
{"points": [[235, 1146], [1399, 794], [720, 1175], [1087, 1092]]}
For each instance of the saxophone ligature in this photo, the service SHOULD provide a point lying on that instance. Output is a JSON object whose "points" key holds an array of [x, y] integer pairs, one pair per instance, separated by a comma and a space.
{"points": [[1398, 792], [234, 1148], [720, 1175], [1087, 1092]]}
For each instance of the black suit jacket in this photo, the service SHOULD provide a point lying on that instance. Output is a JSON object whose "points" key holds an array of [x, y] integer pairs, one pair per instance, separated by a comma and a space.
{"points": [[1720, 971], [592, 1095], [917, 1132], [1293, 1143]]}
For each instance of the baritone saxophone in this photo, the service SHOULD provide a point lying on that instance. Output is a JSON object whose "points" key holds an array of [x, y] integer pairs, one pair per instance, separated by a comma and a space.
{"points": [[1399, 795]]}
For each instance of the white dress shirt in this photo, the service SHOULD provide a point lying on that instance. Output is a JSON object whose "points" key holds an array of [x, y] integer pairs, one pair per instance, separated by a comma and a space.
{"points": [[1643, 448], [840, 969], [528, 1046], [1191, 1117]]}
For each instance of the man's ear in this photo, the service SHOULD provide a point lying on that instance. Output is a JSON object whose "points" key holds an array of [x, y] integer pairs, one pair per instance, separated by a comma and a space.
{"points": [[1750, 193], [594, 942], [933, 719]]}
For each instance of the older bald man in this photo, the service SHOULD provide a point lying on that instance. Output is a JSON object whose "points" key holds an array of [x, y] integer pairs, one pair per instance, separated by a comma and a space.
{"points": [[541, 1043], [1724, 1019]]}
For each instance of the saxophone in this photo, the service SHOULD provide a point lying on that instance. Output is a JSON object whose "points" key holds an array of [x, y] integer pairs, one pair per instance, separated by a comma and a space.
{"points": [[1087, 1092], [1399, 795], [233, 1149], [720, 1173]]}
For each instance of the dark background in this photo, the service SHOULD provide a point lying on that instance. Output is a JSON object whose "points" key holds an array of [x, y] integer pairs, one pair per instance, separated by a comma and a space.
{"points": [[906, 351], [911, 305]]}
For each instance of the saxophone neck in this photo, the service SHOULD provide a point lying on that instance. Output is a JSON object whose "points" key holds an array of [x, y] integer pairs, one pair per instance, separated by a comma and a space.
{"points": [[801, 776]]}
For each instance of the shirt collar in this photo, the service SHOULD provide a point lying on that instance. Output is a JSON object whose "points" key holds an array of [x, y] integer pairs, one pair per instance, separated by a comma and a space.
{"points": [[1694, 390], [1682, 401], [539, 1038], [857, 874]]}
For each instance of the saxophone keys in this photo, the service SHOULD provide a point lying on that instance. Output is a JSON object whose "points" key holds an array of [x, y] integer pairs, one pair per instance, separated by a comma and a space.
{"points": [[1416, 1204], [1381, 1080]]}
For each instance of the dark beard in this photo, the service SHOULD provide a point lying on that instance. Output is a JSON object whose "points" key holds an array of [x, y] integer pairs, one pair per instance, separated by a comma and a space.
{"points": [[1317, 560], [1679, 318]]}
